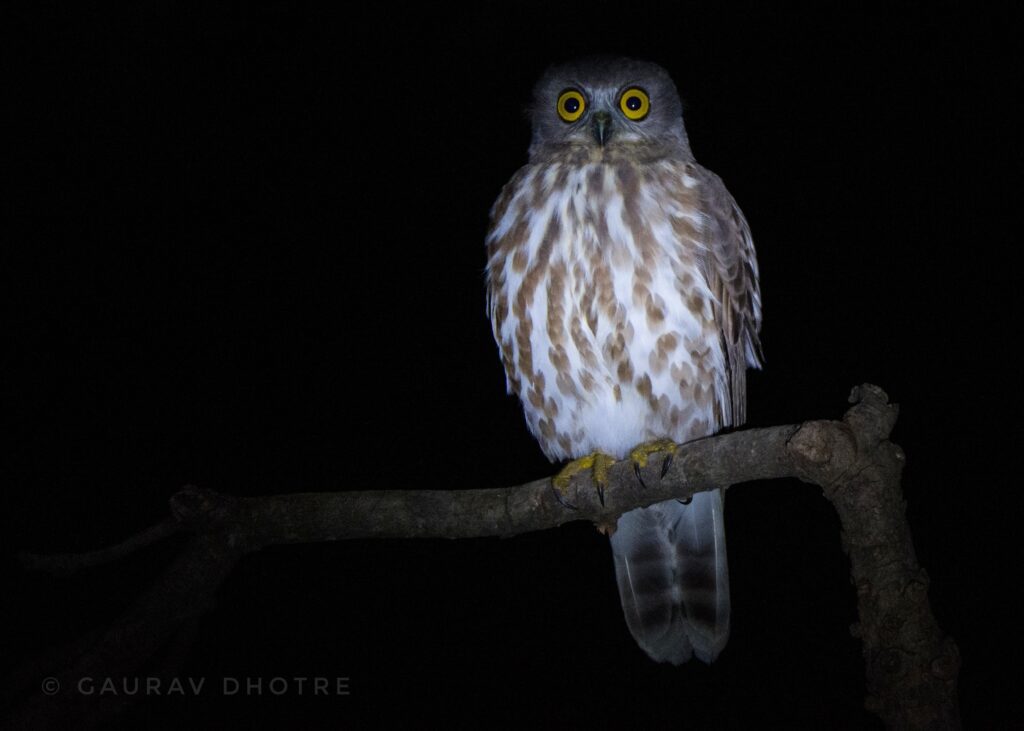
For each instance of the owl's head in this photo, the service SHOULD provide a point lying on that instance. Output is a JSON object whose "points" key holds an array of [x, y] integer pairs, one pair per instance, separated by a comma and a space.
{"points": [[607, 104]]}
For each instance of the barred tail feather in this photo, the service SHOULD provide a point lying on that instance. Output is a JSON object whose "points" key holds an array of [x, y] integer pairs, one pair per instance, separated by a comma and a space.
{"points": [[673, 577]]}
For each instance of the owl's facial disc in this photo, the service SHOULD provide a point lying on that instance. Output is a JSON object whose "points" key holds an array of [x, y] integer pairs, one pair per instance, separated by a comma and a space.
{"points": [[607, 106]]}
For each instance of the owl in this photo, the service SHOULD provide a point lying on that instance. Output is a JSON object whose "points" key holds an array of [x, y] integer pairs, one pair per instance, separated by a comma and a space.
{"points": [[623, 295]]}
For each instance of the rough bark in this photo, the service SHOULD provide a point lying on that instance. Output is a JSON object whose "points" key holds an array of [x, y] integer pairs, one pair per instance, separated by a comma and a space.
{"points": [[911, 666]]}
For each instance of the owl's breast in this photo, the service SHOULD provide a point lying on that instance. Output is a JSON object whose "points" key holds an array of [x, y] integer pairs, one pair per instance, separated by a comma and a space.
{"points": [[601, 308]]}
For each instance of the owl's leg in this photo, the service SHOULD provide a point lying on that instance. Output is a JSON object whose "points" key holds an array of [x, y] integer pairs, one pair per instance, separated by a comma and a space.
{"points": [[598, 463], [642, 453]]}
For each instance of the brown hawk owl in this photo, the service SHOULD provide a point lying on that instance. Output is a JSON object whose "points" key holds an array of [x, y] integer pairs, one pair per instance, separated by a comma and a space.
{"points": [[623, 294]]}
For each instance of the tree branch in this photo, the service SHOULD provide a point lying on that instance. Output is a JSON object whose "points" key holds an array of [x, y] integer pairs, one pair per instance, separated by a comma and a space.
{"points": [[911, 666], [62, 564]]}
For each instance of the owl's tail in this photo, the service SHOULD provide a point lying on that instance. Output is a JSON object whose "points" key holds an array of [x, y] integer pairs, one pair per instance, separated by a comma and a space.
{"points": [[674, 577]]}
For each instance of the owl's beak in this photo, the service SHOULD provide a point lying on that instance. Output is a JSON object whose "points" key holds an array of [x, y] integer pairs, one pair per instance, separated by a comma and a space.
{"points": [[602, 127]]}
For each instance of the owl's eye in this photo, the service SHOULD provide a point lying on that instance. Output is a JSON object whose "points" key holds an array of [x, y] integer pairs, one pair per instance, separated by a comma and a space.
{"points": [[571, 105], [635, 104]]}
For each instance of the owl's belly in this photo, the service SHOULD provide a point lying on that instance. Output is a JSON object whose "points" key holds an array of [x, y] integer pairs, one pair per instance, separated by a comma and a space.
{"points": [[625, 376]]}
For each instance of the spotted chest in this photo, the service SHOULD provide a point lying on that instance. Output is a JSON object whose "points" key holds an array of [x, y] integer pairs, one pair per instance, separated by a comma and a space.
{"points": [[600, 305]]}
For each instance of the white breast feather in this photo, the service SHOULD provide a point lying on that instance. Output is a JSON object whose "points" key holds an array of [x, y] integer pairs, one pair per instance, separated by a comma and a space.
{"points": [[595, 419]]}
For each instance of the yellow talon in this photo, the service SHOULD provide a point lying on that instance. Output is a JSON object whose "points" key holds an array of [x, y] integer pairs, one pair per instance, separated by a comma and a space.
{"points": [[598, 463], [642, 452]]}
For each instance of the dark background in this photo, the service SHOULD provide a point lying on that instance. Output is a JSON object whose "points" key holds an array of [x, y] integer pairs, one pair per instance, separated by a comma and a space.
{"points": [[243, 248]]}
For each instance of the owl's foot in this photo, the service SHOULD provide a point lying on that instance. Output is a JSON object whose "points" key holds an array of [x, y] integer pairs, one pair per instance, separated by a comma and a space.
{"points": [[642, 453], [598, 463]]}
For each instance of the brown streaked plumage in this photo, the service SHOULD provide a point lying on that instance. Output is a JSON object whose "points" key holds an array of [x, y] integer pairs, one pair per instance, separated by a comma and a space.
{"points": [[623, 293]]}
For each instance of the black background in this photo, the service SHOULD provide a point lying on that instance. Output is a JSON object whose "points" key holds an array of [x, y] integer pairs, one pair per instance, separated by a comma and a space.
{"points": [[243, 248]]}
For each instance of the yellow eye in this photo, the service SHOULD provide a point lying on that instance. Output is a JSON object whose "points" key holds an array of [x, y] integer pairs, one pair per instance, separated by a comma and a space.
{"points": [[571, 105], [635, 104]]}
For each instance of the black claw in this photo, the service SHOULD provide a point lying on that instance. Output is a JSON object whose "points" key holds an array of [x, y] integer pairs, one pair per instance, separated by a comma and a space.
{"points": [[687, 501], [600, 494], [666, 464], [636, 471], [558, 497]]}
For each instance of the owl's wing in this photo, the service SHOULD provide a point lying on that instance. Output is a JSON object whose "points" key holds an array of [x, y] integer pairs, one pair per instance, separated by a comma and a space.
{"points": [[731, 271]]}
